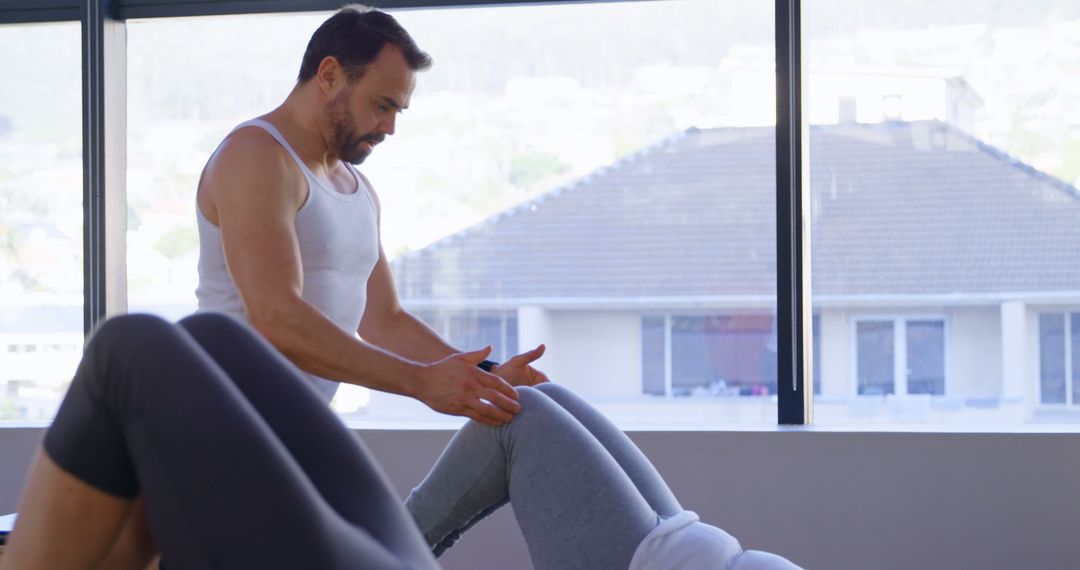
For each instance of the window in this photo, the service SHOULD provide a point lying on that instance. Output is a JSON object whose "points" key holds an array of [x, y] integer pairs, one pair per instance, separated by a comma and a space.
{"points": [[476, 329], [40, 216], [940, 199], [876, 357], [1059, 358], [710, 356], [560, 171], [900, 357]]}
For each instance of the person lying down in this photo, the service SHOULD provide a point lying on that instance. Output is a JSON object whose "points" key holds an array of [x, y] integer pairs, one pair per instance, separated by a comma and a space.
{"points": [[241, 465]]}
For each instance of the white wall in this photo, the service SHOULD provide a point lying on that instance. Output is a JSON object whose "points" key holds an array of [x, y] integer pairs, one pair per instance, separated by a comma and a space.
{"points": [[974, 343], [830, 501], [598, 352]]}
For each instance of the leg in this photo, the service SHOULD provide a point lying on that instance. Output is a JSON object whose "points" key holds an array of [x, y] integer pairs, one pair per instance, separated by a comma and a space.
{"points": [[638, 467], [56, 508], [576, 506], [332, 457], [150, 412], [134, 548]]}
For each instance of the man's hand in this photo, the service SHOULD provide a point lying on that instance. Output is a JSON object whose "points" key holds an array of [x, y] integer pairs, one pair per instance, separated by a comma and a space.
{"points": [[455, 386], [518, 371]]}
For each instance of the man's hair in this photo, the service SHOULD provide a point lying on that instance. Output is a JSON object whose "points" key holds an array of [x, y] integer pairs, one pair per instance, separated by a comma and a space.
{"points": [[354, 36]]}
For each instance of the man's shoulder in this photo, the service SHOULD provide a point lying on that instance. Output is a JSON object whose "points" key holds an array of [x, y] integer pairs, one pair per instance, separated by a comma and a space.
{"points": [[251, 152], [251, 141], [248, 163]]}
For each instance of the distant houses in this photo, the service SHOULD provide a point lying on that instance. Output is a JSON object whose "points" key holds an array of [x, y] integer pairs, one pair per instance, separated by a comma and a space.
{"points": [[946, 277]]}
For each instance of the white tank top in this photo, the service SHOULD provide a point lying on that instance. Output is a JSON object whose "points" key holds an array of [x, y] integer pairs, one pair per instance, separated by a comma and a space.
{"points": [[339, 245]]}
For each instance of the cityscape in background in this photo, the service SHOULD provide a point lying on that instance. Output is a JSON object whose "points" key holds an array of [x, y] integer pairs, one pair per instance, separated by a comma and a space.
{"points": [[491, 131]]}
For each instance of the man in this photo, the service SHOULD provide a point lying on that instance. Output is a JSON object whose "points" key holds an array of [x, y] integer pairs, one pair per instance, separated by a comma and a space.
{"points": [[289, 235]]}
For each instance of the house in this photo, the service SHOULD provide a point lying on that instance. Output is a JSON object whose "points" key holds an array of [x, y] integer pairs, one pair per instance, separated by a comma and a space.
{"points": [[946, 279]]}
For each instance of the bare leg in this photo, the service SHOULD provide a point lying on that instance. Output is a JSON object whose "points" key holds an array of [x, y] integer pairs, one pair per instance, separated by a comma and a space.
{"points": [[63, 522], [134, 548]]}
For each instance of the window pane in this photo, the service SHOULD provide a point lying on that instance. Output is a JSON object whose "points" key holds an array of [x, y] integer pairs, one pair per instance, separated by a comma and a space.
{"points": [[477, 330], [943, 165], [572, 167], [723, 356], [511, 347], [876, 354], [652, 356], [41, 320], [816, 340], [1074, 351], [1052, 359], [926, 357]]}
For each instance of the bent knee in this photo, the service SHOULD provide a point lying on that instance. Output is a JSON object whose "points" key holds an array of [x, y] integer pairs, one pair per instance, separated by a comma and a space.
{"points": [[552, 389], [211, 320], [536, 407], [124, 329], [530, 396]]}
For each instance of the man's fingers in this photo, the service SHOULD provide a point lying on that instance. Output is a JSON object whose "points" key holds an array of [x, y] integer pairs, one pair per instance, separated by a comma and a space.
{"points": [[476, 356], [528, 357], [495, 383], [500, 401], [488, 414]]}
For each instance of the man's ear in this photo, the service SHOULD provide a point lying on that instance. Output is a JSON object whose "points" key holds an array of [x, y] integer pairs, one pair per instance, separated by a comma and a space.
{"points": [[330, 76]]}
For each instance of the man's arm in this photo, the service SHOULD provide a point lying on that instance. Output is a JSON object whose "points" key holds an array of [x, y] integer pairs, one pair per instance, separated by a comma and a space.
{"points": [[387, 324], [250, 190]]}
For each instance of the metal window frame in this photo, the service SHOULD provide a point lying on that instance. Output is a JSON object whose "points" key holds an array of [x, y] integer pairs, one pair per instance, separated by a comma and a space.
{"points": [[104, 150], [104, 76], [38, 11], [127, 9], [793, 303]]}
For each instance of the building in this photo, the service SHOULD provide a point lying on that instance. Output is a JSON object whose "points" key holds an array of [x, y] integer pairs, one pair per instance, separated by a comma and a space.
{"points": [[946, 279]]}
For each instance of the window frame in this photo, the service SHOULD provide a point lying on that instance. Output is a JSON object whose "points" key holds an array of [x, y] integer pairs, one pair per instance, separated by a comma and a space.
{"points": [[104, 55], [900, 345], [1072, 400]]}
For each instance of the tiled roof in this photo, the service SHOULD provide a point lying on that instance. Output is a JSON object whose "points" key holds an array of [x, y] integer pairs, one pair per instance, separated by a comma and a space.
{"points": [[898, 209]]}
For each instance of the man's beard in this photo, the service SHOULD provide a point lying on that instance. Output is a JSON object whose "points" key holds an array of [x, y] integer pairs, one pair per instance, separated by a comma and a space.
{"points": [[344, 139]]}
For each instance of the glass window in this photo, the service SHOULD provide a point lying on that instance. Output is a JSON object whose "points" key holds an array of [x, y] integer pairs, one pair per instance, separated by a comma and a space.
{"points": [[723, 356], [1052, 360], [710, 356], [563, 171], [876, 357], [478, 330], [815, 340], [925, 357], [41, 320], [1074, 349], [943, 164], [654, 369]]}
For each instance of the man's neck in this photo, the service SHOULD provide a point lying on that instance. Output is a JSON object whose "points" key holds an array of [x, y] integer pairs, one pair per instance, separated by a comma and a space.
{"points": [[299, 118]]}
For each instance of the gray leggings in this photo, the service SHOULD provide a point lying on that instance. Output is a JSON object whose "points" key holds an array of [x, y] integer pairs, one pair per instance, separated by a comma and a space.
{"points": [[583, 493]]}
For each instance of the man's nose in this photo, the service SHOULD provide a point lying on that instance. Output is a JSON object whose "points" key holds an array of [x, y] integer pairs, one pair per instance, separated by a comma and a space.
{"points": [[388, 125]]}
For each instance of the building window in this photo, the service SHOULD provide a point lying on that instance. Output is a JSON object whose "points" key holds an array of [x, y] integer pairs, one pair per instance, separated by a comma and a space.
{"points": [[653, 350], [713, 355], [472, 330], [1059, 358], [900, 356]]}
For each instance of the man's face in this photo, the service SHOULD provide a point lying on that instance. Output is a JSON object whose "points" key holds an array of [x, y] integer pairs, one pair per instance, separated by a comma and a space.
{"points": [[364, 112]]}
